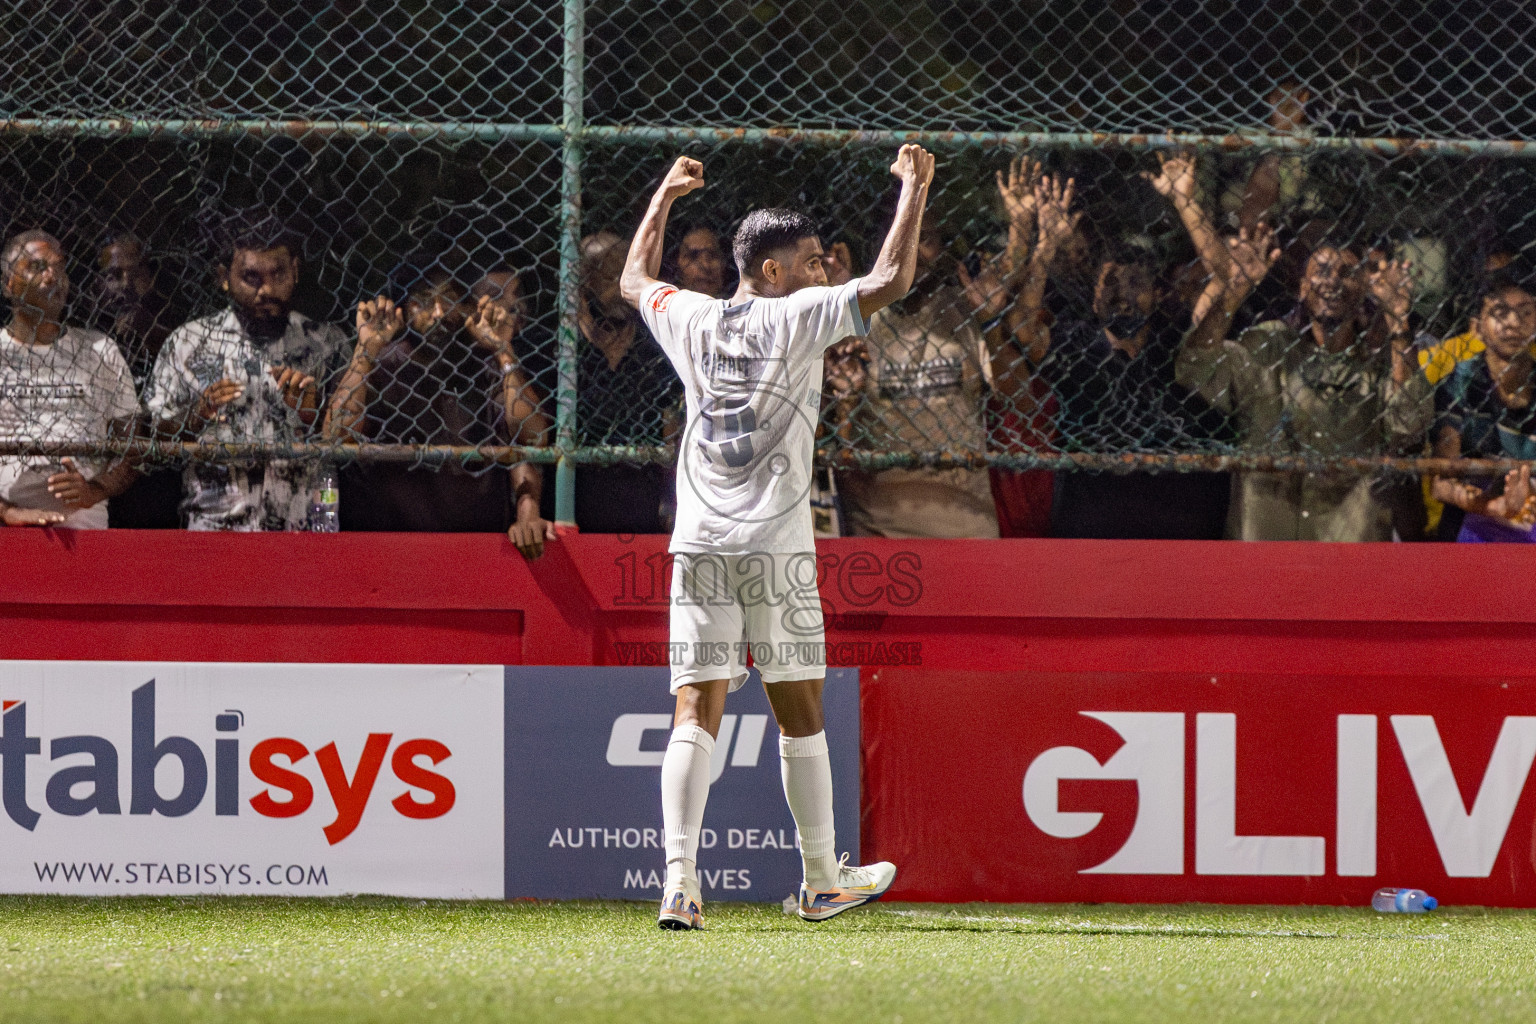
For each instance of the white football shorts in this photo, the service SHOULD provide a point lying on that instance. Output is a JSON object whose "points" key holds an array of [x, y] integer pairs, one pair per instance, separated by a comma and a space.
{"points": [[726, 606]]}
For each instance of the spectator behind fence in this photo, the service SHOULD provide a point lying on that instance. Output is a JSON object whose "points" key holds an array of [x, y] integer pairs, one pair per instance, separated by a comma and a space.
{"points": [[503, 287], [1443, 521], [700, 262], [1113, 377], [627, 394], [926, 371], [134, 302], [252, 373], [57, 383], [1484, 409], [1502, 264], [1023, 421], [433, 371], [1336, 378], [138, 312]]}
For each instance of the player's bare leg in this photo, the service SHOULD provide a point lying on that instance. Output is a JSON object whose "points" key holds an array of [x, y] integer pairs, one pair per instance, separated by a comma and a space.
{"points": [[684, 792], [830, 886], [796, 706], [703, 705]]}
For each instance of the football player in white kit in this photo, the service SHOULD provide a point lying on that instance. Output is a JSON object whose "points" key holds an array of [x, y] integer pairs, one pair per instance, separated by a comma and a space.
{"points": [[744, 577]]}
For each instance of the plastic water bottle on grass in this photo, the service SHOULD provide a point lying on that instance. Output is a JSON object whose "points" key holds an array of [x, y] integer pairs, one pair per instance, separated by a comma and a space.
{"points": [[1403, 901]]}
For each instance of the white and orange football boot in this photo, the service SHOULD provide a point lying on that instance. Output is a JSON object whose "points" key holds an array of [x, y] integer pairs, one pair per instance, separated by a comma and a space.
{"points": [[681, 909], [855, 887]]}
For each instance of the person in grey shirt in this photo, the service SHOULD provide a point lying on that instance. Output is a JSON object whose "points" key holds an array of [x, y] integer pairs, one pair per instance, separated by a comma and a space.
{"points": [[251, 373]]}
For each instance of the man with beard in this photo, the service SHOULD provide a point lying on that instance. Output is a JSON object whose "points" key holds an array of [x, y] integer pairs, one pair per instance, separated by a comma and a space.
{"points": [[1112, 376], [57, 383], [251, 373], [1338, 377], [137, 313], [434, 372]]}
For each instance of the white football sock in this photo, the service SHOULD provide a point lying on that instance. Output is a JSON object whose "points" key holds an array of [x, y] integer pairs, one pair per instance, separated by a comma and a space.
{"points": [[684, 791], [807, 773]]}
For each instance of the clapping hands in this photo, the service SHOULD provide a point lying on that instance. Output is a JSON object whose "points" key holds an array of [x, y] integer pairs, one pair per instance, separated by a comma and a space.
{"points": [[1511, 506], [1017, 190], [1053, 199], [1175, 179], [296, 387], [1252, 255], [846, 371], [493, 325], [1390, 283], [379, 320], [986, 291]]}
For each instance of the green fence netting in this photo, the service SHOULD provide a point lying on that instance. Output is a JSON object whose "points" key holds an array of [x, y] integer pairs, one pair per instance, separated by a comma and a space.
{"points": [[480, 165]]}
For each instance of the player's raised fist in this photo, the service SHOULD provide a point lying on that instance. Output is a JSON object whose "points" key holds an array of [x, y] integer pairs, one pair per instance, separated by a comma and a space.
{"points": [[914, 165], [686, 175]]}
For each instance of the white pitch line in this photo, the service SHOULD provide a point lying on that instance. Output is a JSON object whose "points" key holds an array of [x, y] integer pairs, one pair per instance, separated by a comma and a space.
{"points": [[1137, 929]]}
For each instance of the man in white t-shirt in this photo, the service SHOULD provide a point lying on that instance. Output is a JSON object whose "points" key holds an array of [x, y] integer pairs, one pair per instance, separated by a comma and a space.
{"points": [[61, 384], [745, 572]]}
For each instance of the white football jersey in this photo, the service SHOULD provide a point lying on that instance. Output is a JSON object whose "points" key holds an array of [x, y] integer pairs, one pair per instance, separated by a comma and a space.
{"points": [[752, 375]]}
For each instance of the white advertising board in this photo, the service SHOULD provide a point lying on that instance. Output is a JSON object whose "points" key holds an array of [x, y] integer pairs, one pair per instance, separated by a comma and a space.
{"points": [[141, 778]]}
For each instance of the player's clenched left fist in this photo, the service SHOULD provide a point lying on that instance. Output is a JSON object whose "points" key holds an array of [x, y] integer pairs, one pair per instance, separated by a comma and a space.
{"points": [[914, 165], [686, 175]]}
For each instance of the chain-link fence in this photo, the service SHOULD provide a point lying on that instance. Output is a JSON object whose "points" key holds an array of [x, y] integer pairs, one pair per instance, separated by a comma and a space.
{"points": [[1288, 230]]}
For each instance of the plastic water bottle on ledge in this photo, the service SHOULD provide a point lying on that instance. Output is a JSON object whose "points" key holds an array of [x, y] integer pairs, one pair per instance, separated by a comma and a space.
{"points": [[325, 508], [1403, 901]]}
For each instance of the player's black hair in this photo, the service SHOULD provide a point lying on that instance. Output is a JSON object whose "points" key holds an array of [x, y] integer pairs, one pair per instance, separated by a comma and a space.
{"points": [[765, 232], [257, 229]]}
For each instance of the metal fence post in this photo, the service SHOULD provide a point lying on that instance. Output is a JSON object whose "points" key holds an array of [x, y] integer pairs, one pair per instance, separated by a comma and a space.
{"points": [[572, 93]]}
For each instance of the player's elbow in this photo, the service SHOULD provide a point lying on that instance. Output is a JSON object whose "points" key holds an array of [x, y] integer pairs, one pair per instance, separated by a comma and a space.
{"points": [[880, 290], [632, 285]]}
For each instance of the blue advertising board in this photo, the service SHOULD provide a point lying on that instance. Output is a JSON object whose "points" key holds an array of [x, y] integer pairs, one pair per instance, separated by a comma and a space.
{"points": [[583, 786]]}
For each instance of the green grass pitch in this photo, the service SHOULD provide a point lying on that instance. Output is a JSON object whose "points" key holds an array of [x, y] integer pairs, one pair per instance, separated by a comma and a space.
{"points": [[374, 959]]}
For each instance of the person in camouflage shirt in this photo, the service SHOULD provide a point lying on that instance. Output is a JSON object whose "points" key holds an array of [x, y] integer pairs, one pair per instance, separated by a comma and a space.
{"points": [[1339, 377]]}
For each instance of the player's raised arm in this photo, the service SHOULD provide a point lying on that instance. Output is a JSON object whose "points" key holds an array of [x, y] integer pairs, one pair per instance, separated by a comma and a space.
{"points": [[644, 261], [891, 276]]}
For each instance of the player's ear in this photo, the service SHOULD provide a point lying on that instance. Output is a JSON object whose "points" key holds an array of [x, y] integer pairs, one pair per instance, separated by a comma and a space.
{"points": [[771, 271]]}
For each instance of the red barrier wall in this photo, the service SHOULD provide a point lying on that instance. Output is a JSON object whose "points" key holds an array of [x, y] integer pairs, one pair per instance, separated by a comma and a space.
{"points": [[1227, 788], [1039, 605], [1449, 623]]}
